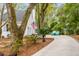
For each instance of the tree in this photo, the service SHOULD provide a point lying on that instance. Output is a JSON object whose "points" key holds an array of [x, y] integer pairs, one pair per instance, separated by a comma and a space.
{"points": [[42, 11], [68, 16], [45, 30], [17, 32], [1, 19]]}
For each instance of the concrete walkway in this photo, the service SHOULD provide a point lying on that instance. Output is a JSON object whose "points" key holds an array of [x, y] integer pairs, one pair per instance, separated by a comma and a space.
{"points": [[61, 46]]}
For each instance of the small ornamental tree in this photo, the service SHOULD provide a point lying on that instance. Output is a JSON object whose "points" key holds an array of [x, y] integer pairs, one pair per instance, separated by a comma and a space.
{"points": [[45, 30]]}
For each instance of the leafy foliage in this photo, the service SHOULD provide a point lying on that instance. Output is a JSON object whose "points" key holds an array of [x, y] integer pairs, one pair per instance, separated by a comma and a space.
{"points": [[33, 38], [46, 29], [68, 18]]}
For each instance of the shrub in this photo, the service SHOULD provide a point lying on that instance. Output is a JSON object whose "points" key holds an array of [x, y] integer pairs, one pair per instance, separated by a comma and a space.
{"points": [[31, 39]]}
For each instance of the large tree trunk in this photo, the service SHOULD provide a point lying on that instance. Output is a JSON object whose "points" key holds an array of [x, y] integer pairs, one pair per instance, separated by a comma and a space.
{"points": [[43, 8], [13, 28], [38, 16], [17, 32], [18, 42], [0, 29], [1, 20]]}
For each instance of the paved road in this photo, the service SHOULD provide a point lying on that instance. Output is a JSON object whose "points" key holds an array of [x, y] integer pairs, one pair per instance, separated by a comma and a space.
{"points": [[61, 46]]}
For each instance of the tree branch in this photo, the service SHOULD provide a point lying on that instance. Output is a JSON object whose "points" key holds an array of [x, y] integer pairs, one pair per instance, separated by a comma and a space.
{"points": [[3, 24], [43, 8], [12, 17], [2, 11], [46, 5], [26, 17]]}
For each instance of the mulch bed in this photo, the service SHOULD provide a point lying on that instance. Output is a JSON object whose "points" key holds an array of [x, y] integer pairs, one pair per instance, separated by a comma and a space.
{"points": [[76, 37], [28, 51]]}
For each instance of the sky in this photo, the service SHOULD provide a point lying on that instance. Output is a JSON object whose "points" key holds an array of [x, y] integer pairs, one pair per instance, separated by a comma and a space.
{"points": [[59, 4]]}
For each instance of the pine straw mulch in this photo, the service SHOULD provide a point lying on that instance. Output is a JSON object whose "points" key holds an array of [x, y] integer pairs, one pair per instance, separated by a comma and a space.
{"points": [[27, 51], [76, 37]]}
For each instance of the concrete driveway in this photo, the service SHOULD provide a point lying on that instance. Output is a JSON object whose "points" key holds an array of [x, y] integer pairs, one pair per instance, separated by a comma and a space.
{"points": [[61, 46]]}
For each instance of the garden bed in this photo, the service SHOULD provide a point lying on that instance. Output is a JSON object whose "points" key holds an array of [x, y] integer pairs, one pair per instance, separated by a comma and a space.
{"points": [[76, 37], [28, 51]]}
